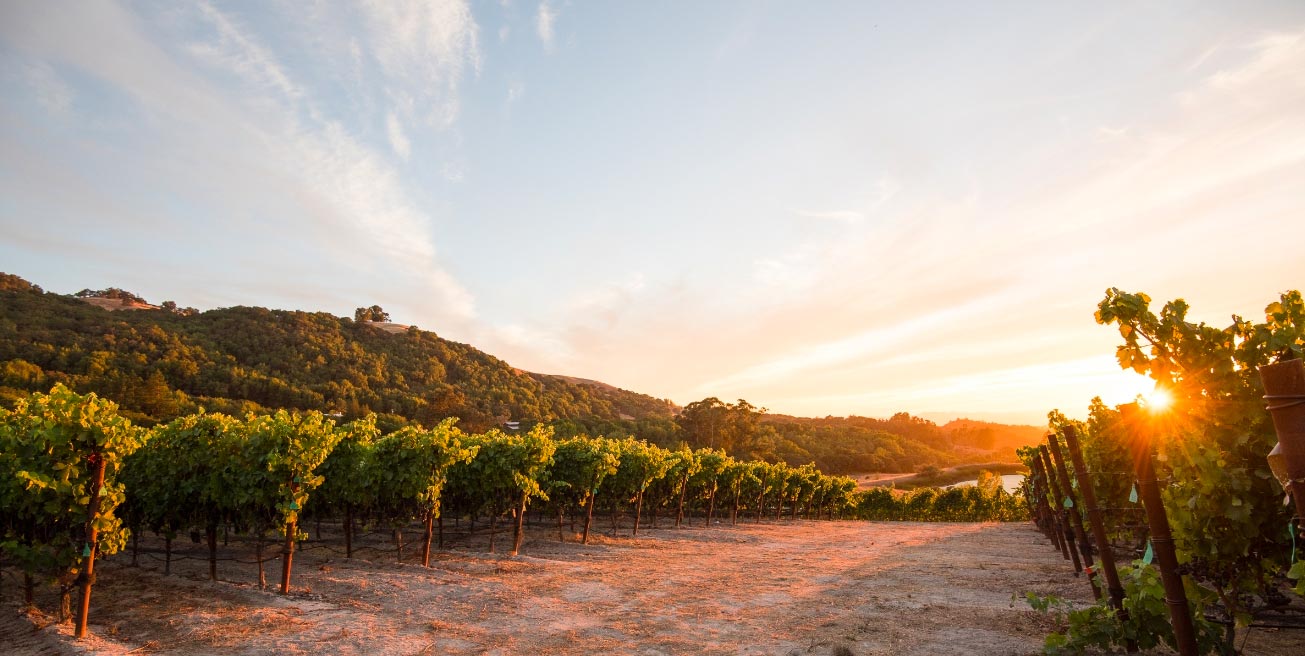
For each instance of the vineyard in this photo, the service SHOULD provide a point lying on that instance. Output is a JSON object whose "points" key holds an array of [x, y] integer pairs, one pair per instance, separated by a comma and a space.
{"points": [[1173, 509], [1173, 512], [81, 483]]}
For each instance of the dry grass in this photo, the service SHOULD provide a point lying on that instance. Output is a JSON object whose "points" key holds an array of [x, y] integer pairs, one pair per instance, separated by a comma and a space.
{"points": [[803, 588]]}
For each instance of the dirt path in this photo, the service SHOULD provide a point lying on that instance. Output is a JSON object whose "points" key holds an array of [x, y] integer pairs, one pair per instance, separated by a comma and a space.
{"points": [[792, 588]]}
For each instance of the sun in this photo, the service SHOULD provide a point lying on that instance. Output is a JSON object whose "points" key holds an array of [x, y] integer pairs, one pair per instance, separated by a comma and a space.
{"points": [[1158, 400]]}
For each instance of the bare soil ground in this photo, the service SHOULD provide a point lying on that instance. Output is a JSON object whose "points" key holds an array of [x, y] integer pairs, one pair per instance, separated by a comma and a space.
{"points": [[800, 587]]}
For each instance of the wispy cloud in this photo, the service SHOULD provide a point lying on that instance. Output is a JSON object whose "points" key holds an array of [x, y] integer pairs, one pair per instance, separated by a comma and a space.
{"points": [[516, 89], [848, 349], [53, 94], [958, 302], [544, 20], [875, 197], [398, 140], [999, 388], [234, 51], [247, 124], [606, 303], [424, 49]]}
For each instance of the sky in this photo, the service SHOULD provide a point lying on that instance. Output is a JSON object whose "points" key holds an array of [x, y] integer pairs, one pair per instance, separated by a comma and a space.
{"points": [[823, 208]]}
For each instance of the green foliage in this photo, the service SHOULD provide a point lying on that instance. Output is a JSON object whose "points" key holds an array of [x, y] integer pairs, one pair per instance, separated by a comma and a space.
{"points": [[841, 445], [351, 471], [986, 502], [640, 465], [50, 447], [580, 465], [1221, 499], [161, 364], [405, 471], [1146, 622], [179, 478], [373, 313], [1223, 504], [207, 468], [704, 480], [279, 456], [505, 470]]}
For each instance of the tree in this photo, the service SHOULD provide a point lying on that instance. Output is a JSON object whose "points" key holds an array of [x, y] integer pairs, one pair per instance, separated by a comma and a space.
{"points": [[373, 313]]}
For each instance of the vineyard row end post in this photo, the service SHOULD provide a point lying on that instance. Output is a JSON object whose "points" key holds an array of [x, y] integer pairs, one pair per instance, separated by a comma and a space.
{"points": [[1162, 541]]}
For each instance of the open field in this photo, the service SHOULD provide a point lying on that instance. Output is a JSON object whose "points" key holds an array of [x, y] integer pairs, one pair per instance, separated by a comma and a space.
{"points": [[794, 588]]}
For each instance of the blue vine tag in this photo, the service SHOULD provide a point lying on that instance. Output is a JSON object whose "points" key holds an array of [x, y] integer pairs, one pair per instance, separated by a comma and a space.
{"points": [[1149, 555], [1132, 494]]}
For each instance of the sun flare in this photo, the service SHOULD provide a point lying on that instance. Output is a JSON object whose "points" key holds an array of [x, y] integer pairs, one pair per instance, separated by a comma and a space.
{"points": [[1158, 400]]}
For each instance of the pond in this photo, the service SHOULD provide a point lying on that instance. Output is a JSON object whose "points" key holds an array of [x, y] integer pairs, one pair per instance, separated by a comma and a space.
{"points": [[1009, 481]]}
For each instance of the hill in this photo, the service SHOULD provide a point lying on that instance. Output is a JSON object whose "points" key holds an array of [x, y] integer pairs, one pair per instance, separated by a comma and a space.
{"points": [[162, 361], [159, 364]]}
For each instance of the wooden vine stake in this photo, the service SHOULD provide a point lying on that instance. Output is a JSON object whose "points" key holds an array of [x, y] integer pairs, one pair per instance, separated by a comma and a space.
{"points": [[1085, 487], [288, 554], [1053, 526], [1043, 493], [1162, 541], [88, 577], [1056, 507], [1284, 389], [430, 533], [518, 532], [1076, 518]]}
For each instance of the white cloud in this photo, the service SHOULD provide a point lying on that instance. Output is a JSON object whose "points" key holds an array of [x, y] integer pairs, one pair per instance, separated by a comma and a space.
{"points": [[424, 49], [544, 20], [234, 51], [516, 89], [604, 305], [790, 272], [339, 196], [503, 33], [398, 140], [453, 172], [50, 90]]}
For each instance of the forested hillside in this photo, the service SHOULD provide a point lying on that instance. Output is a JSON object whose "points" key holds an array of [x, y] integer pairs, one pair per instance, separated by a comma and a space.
{"points": [[160, 362]]}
